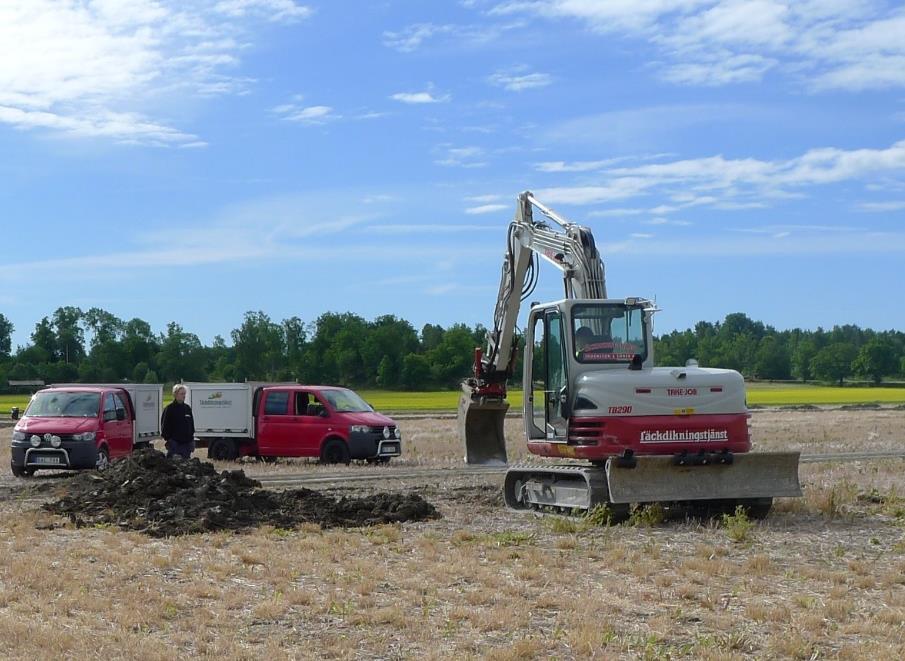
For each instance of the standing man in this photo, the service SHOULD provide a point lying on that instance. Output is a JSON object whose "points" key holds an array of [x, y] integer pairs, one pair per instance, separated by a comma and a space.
{"points": [[177, 426]]}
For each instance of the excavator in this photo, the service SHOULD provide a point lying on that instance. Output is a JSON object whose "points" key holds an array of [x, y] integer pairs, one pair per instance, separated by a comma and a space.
{"points": [[677, 436]]}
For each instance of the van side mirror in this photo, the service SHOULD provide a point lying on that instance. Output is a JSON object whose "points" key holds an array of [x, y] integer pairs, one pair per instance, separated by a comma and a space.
{"points": [[109, 415], [120, 414], [322, 412]]}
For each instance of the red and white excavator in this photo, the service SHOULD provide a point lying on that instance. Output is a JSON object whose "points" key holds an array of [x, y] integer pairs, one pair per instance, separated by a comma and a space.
{"points": [[670, 435]]}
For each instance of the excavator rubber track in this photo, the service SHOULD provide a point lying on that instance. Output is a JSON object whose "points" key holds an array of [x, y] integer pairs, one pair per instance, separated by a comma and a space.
{"points": [[751, 480]]}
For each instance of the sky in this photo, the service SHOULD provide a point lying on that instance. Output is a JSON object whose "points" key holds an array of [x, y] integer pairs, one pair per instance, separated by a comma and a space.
{"points": [[190, 161]]}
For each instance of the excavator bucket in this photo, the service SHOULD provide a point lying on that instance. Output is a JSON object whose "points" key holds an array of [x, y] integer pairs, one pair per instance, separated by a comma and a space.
{"points": [[658, 479], [481, 428]]}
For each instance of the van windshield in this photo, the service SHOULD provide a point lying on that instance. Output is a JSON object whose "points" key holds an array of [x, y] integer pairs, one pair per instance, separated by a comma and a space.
{"points": [[346, 401], [64, 405]]}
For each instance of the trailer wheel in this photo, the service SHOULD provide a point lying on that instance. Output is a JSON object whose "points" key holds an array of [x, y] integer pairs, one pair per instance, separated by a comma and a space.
{"points": [[21, 471], [335, 451], [222, 449]]}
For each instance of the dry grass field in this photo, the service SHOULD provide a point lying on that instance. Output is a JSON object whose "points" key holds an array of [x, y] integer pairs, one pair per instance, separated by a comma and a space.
{"points": [[823, 576]]}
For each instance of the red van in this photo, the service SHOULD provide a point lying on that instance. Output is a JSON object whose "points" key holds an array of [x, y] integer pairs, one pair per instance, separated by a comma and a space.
{"points": [[83, 426], [290, 420]]}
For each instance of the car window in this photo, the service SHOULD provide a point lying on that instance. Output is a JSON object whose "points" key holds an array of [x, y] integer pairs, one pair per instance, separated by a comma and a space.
{"points": [[277, 403], [118, 402]]}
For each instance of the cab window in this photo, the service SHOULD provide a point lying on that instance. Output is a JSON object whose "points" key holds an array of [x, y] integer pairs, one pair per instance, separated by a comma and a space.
{"points": [[608, 333], [277, 403]]}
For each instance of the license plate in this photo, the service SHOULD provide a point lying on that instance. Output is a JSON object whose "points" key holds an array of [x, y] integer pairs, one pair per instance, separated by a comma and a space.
{"points": [[47, 459], [390, 448]]}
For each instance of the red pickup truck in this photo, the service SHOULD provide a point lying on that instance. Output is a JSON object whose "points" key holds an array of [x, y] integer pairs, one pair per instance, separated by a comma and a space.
{"points": [[290, 420], [84, 426]]}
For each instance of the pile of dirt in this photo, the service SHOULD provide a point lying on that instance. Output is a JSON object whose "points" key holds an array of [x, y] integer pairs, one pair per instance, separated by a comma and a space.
{"points": [[161, 497]]}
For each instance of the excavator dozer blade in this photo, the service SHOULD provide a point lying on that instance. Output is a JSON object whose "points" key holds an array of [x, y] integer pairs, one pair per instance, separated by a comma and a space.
{"points": [[481, 428], [657, 479]]}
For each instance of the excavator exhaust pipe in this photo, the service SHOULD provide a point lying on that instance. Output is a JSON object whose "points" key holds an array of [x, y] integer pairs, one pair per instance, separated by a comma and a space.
{"points": [[480, 421]]}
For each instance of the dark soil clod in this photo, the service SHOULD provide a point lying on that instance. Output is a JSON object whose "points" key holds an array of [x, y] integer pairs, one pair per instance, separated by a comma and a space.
{"points": [[162, 497]]}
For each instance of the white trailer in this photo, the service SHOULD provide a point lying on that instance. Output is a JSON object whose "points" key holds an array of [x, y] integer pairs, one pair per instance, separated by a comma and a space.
{"points": [[147, 403], [222, 410]]}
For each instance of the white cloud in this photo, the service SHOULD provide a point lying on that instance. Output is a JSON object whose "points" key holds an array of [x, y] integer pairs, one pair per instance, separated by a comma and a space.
{"points": [[880, 207], [406, 229], [417, 35], [717, 70], [274, 10], [463, 157], [641, 235], [483, 199], [419, 97], [666, 221], [411, 38], [577, 166], [100, 68], [515, 81], [486, 208], [734, 183], [850, 45]]}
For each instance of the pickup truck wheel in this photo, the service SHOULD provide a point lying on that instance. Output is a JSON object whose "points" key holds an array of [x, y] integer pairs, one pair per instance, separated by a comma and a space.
{"points": [[21, 471], [222, 449], [335, 451], [103, 459]]}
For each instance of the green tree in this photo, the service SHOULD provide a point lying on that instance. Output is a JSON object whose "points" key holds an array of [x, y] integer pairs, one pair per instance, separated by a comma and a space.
{"points": [[387, 341], [452, 360], [6, 334], [258, 345], [772, 359], [833, 362], [416, 372], [139, 343], [876, 359], [107, 354], [181, 356], [44, 343], [334, 353], [802, 356], [295, 340], [70, 338]]}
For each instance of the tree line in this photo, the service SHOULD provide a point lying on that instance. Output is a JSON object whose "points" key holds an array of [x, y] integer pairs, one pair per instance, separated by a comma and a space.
{"points": [[75, 345]]}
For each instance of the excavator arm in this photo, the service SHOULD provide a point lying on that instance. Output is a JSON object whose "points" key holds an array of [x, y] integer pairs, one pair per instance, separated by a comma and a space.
{"points": [[572, 250]]}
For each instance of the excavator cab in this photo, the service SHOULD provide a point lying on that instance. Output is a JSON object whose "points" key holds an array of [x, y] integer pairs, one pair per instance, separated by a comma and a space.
{"points": [[564, 339]]}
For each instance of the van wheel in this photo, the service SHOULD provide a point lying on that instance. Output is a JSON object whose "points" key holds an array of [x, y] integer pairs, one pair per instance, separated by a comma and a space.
{"points": [[21, 471], [335, 451], [103, 458], [223, 449]]}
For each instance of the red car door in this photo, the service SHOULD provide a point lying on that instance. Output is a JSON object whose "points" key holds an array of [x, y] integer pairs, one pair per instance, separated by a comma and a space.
{"points": [[276, 425], [312, 425], [117, 426]]}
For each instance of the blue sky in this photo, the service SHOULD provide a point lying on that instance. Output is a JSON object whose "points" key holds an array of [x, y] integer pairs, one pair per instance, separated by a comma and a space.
{"points": [[193, 160]]}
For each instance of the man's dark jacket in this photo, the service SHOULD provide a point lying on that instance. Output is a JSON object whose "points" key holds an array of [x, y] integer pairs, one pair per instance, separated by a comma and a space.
{"points": [[177, 423]]}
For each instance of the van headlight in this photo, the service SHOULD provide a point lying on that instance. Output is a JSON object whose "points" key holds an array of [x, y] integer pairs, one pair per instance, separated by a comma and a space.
{"points": [[19, 436], [359, 429], [35, 440], [398, 433], [386, 432], [84, 436]]}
